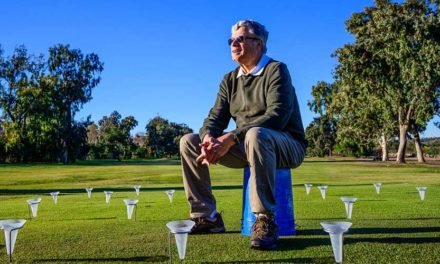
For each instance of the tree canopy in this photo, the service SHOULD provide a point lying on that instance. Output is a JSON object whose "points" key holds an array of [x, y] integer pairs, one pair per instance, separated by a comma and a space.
{"points": [[39, 99], [388, 80], [163, 137]]}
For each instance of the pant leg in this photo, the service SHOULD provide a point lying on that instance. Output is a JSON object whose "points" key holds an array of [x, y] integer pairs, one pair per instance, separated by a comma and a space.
{"points": [[196, 177], [266, 150]]}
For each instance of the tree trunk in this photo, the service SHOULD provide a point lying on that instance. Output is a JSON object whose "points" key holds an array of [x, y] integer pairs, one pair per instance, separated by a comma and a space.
{"points": [[384, 147], [65, 155], [419, 148], [67, 134], [402, 143]]}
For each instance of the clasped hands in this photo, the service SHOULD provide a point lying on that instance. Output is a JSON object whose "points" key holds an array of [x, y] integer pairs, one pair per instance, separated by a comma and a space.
{"points": [[214, 148]]}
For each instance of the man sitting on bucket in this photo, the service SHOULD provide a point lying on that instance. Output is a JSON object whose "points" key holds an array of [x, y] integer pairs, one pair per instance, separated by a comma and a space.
{"points": [[259, 96]]}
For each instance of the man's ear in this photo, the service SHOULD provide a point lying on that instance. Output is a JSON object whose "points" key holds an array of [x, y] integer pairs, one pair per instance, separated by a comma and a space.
{"points": [[260, 44]]}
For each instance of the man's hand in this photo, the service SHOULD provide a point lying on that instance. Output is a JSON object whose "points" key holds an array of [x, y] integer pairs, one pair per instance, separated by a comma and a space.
{"points": [[204, 149], [215, 148]]}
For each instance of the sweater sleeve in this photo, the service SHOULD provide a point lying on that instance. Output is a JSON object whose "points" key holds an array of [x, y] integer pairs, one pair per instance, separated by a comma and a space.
{"points": [[219, 115], [279, 100]]}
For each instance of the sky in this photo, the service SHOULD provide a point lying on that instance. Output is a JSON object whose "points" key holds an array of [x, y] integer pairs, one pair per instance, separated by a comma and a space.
{"points": [[168, 57]]}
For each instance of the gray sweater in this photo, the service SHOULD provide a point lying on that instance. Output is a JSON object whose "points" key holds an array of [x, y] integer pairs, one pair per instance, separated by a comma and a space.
{"points": [[267, 100]]}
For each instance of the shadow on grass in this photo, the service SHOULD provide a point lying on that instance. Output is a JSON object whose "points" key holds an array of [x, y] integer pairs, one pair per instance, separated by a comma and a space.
{"points": [[394, 230], [288, 260], [342, 160], [290, 243], [301, 243], [127, 162], [375, 230], [326, 219], [97, 163], [95, 190], [403, 219], [89, 260], [362, 200], [83, 219], [232, 232], [316, 184], [393, 240]]}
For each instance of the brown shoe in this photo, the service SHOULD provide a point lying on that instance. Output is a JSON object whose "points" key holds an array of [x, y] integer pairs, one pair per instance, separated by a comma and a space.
{"points": [[265, 233], [205, 226]]}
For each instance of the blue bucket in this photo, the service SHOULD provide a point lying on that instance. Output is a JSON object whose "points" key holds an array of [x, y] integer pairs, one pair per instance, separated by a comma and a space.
{"points": [[284, 204]]}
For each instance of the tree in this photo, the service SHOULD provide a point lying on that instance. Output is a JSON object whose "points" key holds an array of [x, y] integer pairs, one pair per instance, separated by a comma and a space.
{"points": [[92, 134], [114, 134], [74, 75], [39, 99], [163, 137], [139, 140], [394, 63], [23, 89], [321, 132]]}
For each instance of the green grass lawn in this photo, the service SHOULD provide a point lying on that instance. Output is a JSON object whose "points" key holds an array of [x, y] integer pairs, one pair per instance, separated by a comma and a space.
{"points": [[393, 227]]}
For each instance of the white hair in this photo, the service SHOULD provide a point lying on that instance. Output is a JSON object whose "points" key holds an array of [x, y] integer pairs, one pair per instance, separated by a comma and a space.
{"points": [[254, 28]]}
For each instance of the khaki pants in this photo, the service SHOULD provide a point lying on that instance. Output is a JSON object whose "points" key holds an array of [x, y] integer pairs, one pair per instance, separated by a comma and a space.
{"points": [[263, 150]]}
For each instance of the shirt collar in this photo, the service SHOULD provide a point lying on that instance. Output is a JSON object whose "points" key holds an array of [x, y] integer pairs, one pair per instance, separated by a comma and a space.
{"points": [[257, 70]]}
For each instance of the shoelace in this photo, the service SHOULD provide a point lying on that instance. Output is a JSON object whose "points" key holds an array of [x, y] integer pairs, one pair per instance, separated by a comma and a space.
{"points": [[263, 227], [198, 220], [201, 220]]}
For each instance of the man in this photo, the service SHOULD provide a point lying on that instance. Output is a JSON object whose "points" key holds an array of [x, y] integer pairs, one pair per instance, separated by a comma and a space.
{"points": [[259, 97]]}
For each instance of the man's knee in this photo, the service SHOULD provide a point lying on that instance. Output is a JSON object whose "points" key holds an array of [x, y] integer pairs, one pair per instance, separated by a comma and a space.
{"points": [[188, 140], [256, 136]]}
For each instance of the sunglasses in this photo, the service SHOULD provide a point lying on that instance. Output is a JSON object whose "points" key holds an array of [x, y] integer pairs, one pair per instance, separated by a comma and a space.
{"points": [[240, 39]]}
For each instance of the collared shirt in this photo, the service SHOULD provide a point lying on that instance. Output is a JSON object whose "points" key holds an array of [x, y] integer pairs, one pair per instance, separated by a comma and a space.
{"points": [[257, 70]]}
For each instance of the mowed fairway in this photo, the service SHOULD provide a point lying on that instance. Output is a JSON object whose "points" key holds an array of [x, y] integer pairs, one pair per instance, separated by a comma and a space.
{"points": [[392, 227]]}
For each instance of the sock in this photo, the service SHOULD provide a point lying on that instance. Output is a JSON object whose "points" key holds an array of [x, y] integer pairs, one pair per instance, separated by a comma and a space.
{"points": [[212, 217], [260, 214], [268, 216]]}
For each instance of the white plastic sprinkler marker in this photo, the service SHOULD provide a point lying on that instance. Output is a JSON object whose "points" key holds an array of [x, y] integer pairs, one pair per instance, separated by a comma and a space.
{"points": [[336, 231], [108, 195], [180, 229], [137, 188], [89, 192], [377, 185], [348, 201], [55, 196], [170, 194], [33, 204], [323, 189], [422, 191], [11, 227], [308, 187], [131, 204]]}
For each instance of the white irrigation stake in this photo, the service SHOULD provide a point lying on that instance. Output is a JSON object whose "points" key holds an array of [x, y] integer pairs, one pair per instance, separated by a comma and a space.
{"points": [[89, 192], [11, 227], [33, 204], [137, 188], [108, 195], [336, 231], [55, 196], [131, 204], [308, 187], [349, 202], [180, 229], [422, 191], [170, 194], [323, 188], [377, 185]]}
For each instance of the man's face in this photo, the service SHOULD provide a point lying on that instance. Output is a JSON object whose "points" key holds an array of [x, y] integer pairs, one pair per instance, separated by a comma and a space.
{"points": [[248, 50]]}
